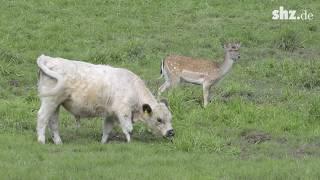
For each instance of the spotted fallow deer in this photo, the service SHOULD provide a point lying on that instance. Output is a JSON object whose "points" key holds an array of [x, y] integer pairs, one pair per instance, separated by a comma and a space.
{"points": [[176, 69]]}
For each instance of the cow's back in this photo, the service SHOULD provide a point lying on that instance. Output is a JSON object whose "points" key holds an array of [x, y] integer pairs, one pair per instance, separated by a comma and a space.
{"points": [[97, 90]]}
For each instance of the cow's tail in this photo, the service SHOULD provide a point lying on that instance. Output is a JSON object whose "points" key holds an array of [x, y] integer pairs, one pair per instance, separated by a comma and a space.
{"points": [[60, 81], [161, 69]]}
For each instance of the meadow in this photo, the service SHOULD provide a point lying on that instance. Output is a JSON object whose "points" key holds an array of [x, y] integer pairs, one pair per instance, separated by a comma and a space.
{"points": [[263, 121]]}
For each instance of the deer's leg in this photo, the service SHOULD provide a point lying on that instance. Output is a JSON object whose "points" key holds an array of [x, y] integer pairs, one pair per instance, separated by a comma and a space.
{"points": [[169, 83], [206, 88], [164, 87]]}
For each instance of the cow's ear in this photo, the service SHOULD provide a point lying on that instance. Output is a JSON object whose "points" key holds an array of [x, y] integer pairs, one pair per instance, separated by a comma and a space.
{"points": [[165, 102], [146, 108]]}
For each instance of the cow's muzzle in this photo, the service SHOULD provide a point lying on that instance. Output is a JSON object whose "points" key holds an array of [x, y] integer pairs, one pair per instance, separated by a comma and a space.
{"points": [[170, 133]]}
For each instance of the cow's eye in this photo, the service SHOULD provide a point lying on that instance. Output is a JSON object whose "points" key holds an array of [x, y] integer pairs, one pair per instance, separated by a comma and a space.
{"points": [[159, 120]]}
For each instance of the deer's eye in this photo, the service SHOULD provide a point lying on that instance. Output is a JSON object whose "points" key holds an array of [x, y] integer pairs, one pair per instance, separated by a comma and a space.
{"points": [[159, 120]]}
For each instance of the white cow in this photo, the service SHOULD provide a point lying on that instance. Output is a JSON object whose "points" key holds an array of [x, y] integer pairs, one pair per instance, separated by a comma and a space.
{"points": [[88, 90]]}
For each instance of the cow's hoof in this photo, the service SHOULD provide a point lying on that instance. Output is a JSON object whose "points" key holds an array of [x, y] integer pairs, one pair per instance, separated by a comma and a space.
{"points": [[104, 139], [41, 140], [57, 141]]}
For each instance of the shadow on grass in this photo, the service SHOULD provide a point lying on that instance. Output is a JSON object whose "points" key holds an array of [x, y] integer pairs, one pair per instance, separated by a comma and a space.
{"points": [[86, 135]]}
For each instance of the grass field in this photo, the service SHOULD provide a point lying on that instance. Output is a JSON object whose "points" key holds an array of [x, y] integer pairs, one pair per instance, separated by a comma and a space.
{"points": [[263, 121]]}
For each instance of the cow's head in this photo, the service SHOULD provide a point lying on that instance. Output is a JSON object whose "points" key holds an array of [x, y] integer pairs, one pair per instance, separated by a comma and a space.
{"points": [[158, 118]]}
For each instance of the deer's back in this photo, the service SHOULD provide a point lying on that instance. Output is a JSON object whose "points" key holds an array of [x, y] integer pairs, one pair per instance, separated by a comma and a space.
{"points": [[178, 64]]}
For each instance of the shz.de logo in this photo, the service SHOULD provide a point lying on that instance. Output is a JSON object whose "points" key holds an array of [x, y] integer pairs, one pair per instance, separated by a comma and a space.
{"points": [[283, 14]]}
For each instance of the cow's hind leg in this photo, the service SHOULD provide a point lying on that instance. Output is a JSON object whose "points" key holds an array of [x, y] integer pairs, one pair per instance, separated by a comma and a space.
{"points": [[46, 111], [54, 126], [108, 124]]}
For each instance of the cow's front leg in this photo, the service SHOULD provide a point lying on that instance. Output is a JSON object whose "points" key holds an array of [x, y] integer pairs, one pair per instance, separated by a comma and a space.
{"points": [[126, 125], [108, 124], [77, 118]]}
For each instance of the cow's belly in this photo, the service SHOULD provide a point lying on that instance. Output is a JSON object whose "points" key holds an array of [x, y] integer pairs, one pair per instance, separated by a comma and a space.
{"points": [[88, 102], [88, 97], [85, 110]]}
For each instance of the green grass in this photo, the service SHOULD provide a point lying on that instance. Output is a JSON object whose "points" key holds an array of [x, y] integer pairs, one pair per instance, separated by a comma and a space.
{"points": [[263, 121]]}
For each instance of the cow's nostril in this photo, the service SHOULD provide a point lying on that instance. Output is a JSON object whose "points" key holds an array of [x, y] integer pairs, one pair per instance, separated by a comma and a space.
{"points": [[170, 133]]}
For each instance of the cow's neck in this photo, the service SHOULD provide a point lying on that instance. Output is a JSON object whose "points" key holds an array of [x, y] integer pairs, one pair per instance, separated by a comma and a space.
{"points": [[146, 97]]}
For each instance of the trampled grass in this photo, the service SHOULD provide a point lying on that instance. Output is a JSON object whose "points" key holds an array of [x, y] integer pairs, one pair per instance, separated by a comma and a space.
{"points": [[263, 121]]}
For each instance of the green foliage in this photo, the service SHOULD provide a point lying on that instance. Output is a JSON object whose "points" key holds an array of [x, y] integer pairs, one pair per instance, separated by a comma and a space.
{"points": [[289, 40], [314, 111]]}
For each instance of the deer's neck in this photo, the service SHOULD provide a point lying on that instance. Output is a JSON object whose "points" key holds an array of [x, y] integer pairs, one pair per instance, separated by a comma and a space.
{"points": [[226, 65]]}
